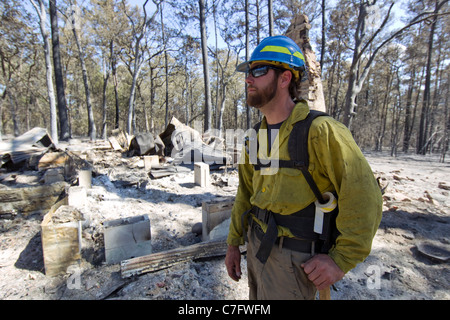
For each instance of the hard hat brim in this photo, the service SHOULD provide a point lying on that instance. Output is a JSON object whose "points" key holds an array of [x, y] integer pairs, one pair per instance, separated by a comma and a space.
{"points": [[243, 67]]}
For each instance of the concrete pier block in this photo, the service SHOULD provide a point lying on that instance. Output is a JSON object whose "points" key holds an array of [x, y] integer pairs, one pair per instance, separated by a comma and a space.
{"points": [[85, 178], [77, 197], [127, 238], [214, 213], [61, 239], [151, 162], [201, 174]]}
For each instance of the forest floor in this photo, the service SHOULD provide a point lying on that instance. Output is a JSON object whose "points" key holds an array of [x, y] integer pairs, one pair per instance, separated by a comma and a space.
{"points": [[416, 220]]}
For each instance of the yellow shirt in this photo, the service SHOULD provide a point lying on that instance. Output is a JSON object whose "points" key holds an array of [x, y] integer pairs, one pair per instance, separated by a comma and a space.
{"points": [[336, 164]]}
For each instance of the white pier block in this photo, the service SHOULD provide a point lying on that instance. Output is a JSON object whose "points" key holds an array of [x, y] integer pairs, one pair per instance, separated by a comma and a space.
{"points": [[201, 173]]}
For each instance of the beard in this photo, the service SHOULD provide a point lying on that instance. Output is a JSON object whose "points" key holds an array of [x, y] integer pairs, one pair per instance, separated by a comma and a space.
{"points": [[262, 96]]}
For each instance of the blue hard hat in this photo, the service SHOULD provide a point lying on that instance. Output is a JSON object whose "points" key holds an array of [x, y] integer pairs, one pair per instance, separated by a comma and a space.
{"points": [[278, 50]]}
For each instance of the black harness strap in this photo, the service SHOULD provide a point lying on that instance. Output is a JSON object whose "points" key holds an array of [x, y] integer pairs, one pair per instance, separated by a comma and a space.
{"points": [[267, 242], [299, 149]]}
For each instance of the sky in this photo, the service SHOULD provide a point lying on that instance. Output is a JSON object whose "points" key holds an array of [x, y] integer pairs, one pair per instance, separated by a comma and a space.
{"points": [[397, 10], [139, 3]]}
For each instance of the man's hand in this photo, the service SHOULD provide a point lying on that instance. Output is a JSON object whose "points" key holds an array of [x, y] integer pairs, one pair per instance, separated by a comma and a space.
{"points": [[233, 262], [322, 271]]}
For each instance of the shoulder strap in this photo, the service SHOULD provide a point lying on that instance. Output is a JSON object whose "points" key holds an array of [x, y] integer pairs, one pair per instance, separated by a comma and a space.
{"points": [[298, 139], [257, 165], [298, 149]]}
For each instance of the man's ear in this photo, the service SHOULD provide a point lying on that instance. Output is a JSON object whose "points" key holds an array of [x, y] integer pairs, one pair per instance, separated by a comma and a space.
{"points": [[285, 79]]}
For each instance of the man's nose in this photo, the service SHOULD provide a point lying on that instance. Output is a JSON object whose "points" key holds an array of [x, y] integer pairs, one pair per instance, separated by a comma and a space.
{"points": [[249, 78]]}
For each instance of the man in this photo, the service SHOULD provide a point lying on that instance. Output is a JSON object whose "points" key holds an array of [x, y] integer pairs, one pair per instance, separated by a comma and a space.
{"points": [[291, 267]]}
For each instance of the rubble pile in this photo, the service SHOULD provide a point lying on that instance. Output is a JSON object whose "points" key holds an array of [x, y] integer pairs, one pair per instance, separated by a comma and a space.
{"points": [[123, 186]]}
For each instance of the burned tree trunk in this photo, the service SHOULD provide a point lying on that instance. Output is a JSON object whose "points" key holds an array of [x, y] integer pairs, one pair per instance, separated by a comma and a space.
{"points": [[64, 134], [48, 68]]}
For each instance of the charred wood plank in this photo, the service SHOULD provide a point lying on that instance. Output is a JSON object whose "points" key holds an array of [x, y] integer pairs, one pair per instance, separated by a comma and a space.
{"points": [[162, 260], [29, 200]]}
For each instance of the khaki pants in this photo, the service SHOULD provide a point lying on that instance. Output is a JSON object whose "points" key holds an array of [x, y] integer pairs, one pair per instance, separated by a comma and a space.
{"points": [[281, 277]]}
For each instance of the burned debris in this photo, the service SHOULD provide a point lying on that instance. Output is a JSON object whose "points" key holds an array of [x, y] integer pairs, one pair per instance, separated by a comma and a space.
{"points": [[60, 202], [38, 178]]}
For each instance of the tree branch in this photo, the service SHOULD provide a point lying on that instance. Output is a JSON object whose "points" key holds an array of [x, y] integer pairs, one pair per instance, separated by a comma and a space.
{"points": [[395, 35], [383, 24]]}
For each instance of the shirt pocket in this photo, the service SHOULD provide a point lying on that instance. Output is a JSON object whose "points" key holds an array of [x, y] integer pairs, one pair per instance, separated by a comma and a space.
{"points": [[292, 192]]}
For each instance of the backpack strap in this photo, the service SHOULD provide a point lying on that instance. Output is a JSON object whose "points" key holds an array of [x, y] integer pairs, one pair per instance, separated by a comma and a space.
{"points": [[298, 149]]}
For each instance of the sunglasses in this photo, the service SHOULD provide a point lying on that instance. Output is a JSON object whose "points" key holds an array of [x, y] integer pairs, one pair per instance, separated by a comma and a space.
{"points": [[260, 71]]}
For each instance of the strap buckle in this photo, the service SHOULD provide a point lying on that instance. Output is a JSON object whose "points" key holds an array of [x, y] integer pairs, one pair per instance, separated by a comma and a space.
{"points": [[299, 164], [263, 214]]}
